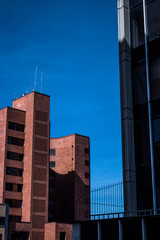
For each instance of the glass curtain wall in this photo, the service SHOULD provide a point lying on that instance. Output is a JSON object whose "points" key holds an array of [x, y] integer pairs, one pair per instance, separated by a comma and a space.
{"points": [[153, 16], [141, 121]]}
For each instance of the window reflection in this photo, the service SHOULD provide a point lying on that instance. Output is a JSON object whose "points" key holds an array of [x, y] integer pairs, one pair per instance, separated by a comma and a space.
{"points": [[137, 27], [153, 10]]}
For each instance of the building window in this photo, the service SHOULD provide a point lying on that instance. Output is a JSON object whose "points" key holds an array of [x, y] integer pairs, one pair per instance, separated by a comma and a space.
{"points": [[86, 162], [86, 150], [14, 203], [52, 164], [9, 187], [14, 171], [86, 174], [15, 141], [2, 221], [16, 126], [62, 235], [52, 152], [14, 218], [19, 188], [13, 187], [15, 156]]}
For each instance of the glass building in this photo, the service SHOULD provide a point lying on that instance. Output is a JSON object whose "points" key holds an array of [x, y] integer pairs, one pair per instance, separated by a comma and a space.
{"points": [[139, 57]]}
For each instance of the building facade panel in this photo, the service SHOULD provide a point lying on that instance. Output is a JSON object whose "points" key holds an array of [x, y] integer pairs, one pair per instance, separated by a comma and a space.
{"points": [[139, 36]]}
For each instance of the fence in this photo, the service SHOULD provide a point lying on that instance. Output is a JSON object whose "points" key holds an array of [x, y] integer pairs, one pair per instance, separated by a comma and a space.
{"points": [[102, 201]]}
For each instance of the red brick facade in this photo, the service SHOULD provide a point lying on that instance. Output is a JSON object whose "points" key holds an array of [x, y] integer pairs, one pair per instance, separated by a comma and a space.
{"points": [[24, 163], [24, 171], [71, 178], [54, 230]]}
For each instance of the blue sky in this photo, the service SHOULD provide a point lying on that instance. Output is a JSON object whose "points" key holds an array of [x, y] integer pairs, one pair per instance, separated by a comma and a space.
{"points": [[75, 44]]}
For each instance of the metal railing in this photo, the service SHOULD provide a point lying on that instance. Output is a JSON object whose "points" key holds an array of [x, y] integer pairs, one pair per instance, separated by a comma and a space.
{"points": [[100, 201], [106, 203], [107, 199], [141, 213]]}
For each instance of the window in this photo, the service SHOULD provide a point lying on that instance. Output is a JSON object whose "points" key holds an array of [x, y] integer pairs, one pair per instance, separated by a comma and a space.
{"points": [[19, 188], [52, 164], [62, 235], [86, 162], [14, 203], [15, 141], [16, 126], [9, 187], [0, 236], [14, 171], [9, 202], [15, 156], [14, 218], [52, 152], [2, 221], [153, 8], [86, 174], [86, 150], [13, 187]]}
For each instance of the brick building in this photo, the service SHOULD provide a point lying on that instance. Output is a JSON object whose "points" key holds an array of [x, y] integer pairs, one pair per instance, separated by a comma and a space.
{"points": [[24, 164], [69, 178], [24, 169]]}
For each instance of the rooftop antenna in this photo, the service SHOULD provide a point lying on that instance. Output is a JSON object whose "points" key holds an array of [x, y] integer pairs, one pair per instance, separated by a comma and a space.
{"points": [[35, 78], [31, 84], [15, 96], [41, 80]]}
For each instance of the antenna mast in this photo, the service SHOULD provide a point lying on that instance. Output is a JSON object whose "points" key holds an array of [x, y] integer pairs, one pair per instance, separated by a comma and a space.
{"points": [[35, 78], [31, 84]]}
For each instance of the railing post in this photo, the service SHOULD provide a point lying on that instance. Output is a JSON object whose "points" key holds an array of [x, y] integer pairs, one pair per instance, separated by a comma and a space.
{"points": [[120, 230], [143, 229], [99, 231]]}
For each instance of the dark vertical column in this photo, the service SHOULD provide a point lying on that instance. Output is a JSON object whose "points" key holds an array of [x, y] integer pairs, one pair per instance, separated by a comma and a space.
{"points": [[128, 151], [143, 229], [99, 231], [149, 108], [120, 230]]}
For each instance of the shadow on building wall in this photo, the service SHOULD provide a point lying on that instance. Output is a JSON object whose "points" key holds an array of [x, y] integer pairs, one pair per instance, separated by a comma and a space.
{"points": [[65, 192]]}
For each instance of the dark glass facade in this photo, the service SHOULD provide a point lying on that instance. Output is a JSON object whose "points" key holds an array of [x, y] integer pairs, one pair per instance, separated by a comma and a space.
{"points": [[140, 100]]}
